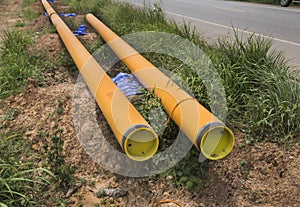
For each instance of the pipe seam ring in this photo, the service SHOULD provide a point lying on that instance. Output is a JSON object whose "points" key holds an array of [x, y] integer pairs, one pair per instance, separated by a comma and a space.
{"points": [[52, 14], [131, 129], [176, 106], [204, 129]]}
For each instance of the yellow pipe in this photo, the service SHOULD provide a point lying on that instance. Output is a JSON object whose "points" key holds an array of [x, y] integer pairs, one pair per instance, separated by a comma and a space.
{"points": [[206, 131], [134, 134]]}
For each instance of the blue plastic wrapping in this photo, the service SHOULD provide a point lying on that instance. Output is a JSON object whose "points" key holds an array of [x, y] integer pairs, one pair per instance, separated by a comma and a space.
{"points": [[63, 15], [80, 30], [51, 0], [128, 84], [68, 15]]}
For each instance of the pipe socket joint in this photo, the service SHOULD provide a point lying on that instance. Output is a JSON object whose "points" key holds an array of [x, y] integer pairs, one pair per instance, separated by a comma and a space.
{"points": [[215, 140], [140, 142]]}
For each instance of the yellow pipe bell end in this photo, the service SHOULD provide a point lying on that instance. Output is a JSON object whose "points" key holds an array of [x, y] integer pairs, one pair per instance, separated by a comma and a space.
{"points": [[140, 142], [216, 142]]}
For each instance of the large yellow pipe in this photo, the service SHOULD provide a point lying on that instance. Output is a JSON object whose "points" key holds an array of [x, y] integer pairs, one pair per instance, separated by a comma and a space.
{"points": [[136, 137], [206, 131]]}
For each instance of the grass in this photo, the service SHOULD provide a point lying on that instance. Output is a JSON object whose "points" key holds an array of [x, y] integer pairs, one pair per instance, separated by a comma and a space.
{"points": [[27, 3], [21, 180], [29, 177], [29, 14], [17, 65], [262, 93]]}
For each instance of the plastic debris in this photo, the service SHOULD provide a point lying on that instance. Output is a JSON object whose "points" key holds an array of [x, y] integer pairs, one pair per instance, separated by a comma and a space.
{"points": [[68, 15], [63, 15], [80, 30], [128, 84], [51, 0]]}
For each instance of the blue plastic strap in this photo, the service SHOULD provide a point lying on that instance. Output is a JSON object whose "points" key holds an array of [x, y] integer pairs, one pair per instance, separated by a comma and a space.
{"points": [[68, 15], [128, 84], [63, 15], [51, 0], [80, 30]]}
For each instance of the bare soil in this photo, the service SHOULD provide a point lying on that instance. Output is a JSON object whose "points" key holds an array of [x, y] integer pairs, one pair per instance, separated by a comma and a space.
{"points": [[9, 14], [266, 174]]}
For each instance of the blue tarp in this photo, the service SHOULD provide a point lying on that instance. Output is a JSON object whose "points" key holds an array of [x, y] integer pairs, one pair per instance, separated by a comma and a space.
{"points": [[128, 84]]}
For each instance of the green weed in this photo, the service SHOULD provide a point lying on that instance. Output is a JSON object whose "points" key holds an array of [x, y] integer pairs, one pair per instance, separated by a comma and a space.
{"points": [[152, 110], [245, 168], [9, 115], [189, 172], [20, 23], [60, 109], [54, 152], [49, 30]]}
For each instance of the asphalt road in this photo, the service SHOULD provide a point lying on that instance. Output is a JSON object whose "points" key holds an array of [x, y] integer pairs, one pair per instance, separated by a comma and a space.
{"points": [[216, 17]]}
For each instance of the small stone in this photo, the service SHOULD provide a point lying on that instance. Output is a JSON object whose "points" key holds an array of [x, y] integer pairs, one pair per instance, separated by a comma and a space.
{"points": [[114, 192], [111, 200], [35, 147], [70, 192], [169, 177], [29, 133]]}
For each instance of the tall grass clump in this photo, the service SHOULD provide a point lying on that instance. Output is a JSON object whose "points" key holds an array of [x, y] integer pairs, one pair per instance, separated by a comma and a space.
{"points": [[262, 92], [84, 7], [21, 180], [17, 65], [124, 18], [29, 14]]}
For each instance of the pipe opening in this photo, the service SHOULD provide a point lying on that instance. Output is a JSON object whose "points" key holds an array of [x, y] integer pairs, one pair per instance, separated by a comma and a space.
{"points": [[141, 144], [217, 142]]}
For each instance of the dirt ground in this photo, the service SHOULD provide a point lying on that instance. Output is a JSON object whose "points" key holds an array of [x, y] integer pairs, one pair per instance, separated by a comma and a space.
{"points": [[9, 14], [266, 174]]}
